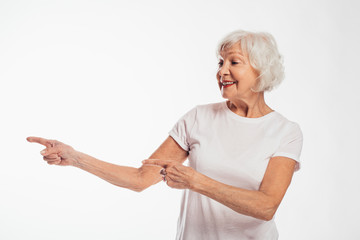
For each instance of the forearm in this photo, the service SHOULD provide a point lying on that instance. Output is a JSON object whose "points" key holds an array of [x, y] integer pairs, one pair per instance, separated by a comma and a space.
{"points": [[248, 202], [122, 176]]}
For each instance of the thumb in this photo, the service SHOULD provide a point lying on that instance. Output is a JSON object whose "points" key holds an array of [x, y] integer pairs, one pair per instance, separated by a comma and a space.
{"points": [[159, 162], [48, 151]]}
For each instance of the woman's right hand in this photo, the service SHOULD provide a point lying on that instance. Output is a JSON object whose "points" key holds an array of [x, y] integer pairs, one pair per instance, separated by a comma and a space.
{"points": [[56, 152]]}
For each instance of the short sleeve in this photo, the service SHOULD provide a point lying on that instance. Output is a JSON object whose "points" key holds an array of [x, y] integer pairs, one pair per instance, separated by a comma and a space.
{"points": [[182, 129], [291, 145]]}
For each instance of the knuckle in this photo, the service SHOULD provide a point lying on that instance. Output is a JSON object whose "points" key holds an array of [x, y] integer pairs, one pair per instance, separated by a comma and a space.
{"points": [[173, 169]]}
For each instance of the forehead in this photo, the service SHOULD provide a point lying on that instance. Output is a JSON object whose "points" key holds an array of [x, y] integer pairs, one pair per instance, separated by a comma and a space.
{"points": [[235, 49]]}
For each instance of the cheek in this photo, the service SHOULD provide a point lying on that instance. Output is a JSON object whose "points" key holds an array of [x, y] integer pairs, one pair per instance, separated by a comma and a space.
{"points": [[246, 77], [252, 74]]}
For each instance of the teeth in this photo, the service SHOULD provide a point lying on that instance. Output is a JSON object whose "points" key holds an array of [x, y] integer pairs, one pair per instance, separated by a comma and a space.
{"points": [[227, 83]]}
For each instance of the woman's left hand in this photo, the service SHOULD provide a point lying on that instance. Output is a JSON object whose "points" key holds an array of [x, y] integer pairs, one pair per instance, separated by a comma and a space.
{"points": [[175, 174]]}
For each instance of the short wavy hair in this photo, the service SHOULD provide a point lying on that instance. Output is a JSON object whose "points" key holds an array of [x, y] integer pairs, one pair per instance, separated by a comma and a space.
{"points": [[263, 55]]}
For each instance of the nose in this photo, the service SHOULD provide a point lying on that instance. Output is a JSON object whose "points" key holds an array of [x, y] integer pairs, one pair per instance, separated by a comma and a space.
{"points": [[223, 70]]}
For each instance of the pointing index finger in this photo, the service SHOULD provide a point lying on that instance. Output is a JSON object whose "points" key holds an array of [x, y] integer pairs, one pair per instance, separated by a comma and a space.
{"points": [[42, 141], [162, 163]]}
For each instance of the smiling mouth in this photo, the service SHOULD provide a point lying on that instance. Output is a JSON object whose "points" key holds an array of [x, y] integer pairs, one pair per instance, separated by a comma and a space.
{"points": [[227, 83]]}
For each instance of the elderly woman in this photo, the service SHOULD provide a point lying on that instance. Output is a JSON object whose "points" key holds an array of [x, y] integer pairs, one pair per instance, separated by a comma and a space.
{"points": [[242, 154]]}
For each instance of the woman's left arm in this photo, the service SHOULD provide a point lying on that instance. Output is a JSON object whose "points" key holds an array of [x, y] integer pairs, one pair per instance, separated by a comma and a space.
{"points": [[261, 204]]}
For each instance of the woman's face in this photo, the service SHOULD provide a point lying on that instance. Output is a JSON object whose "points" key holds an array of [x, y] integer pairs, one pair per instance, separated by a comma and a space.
{"points": [[235, 74]]}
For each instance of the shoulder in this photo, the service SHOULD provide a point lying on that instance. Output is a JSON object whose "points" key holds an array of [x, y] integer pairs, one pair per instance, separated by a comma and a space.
{"points": [[283, 125], [203, 112], [210, 108]]}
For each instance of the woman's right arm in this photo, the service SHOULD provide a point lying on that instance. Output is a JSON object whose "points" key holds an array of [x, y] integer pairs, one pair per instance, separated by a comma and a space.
{"points": [[136, 179]]}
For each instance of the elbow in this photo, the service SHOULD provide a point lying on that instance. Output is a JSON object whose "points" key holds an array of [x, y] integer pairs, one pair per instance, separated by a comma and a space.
{"points": [[267, 217], [136, 185], [143, 180], [269, 211], [140, 185], [138, 189], [132, 187]]}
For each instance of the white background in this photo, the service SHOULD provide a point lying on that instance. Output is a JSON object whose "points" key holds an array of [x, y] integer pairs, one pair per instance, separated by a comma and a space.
{"points": [[111, 78]]}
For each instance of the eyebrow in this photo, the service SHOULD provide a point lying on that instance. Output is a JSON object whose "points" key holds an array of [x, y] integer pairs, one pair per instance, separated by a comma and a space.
{"points": [[234, 52]]}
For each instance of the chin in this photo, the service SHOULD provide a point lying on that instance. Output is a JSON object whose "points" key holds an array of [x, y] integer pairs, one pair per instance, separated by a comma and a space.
{"points": [[226, 95]]}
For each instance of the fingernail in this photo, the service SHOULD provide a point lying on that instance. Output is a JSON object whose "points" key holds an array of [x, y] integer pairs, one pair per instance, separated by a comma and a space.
{"points": [[143, 161], [42, 152]]}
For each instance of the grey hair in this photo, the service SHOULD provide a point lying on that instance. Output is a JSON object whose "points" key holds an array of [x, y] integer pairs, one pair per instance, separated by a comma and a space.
{"points": [[263, 55]]}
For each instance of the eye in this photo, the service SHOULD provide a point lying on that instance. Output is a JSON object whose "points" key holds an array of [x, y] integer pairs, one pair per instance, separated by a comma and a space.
{"points": [[234, 63], [220, 63]]}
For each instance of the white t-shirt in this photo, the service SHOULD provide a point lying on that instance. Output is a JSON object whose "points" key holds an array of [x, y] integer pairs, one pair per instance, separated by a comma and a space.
{"points": [[234, 150]]}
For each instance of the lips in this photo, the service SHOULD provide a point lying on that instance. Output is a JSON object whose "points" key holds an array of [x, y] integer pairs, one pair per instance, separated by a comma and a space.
{"points": [[226, 84]]}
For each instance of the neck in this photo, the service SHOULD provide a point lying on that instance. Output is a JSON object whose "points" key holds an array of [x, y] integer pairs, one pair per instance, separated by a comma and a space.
{"points": [[251, 107]]}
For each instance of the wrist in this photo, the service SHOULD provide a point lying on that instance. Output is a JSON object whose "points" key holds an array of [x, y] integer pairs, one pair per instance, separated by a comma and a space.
{"points": [[196, 181], [78, 159]]}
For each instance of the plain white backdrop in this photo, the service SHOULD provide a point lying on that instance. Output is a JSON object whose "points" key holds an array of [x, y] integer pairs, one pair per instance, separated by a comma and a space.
{"points": [[111, 78]]}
